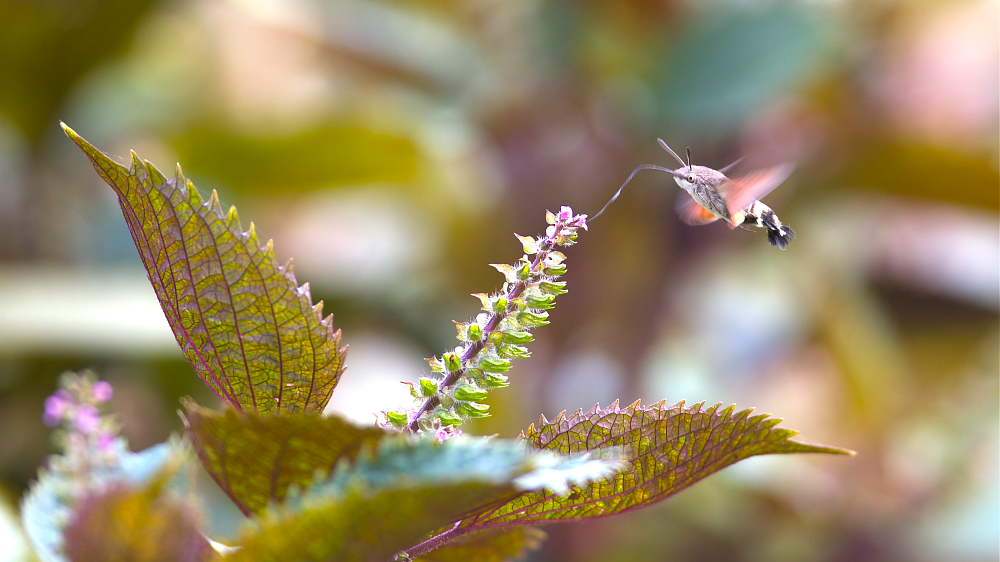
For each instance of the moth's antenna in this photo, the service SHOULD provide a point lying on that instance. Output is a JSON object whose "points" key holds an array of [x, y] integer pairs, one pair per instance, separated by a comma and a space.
{"points": [[730, 165], [687, 152], [637, 169], [666, 147]]}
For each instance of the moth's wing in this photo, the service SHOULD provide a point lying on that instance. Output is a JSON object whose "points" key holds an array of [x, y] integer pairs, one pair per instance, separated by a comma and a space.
{"points": [[740, 192], [692, 213]]}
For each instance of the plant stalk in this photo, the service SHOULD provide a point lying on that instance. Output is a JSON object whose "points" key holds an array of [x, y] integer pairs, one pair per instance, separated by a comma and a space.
{"points": [[436, 541], [491, 325]]}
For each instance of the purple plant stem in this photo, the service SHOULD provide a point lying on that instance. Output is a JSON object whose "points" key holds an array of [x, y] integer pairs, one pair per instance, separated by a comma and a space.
{"points": [[437, 540], [491, 325]]}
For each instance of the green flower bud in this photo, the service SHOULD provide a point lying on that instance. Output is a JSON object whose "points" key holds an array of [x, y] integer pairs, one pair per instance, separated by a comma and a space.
{"points": [[514, 351], [428, 387], [556, 270], [524, 272], [494, 365], [553, 287], [398, 419], [470, 392], [500, 305], [473, 409], [496, 338], [568, 238], [543, 302], [518, 305], [475, 332], [452, 362], [496, 380], [448, 418], [518, 337], [532, 319]]}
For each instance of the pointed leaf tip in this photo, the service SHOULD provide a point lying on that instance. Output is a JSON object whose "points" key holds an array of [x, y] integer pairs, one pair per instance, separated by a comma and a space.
{"points": [[668, 450], [213, 285], [76, 138]]}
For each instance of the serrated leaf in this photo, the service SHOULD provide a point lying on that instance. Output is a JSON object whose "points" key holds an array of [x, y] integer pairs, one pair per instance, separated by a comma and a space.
{"points": [[250, 331], [256, 459], [390, 498], [493, 545], [43, 512], [667, 448], [142, 524]]}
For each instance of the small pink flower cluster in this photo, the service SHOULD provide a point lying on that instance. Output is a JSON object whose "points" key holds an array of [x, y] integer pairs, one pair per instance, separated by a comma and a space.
{"points": [[446, 432], [76, 406], [567, 216]]}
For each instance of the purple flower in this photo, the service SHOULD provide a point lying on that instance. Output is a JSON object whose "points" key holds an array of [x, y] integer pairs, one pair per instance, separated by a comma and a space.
{"points": [[446, 432], [105, 441], [565, 213], [86, 418], [102, 391], [55, 407]]}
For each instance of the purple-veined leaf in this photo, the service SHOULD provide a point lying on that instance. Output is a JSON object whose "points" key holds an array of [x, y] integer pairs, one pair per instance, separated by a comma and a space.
{"points": [[394, 494], [250, 331], [667, 448], [257, 458]]}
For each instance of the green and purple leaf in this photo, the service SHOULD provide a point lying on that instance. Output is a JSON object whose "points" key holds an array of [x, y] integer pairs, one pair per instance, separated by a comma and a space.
{"points": [[257, 458], [667, 448], [250, 331], [395, 494], [362, 525]]}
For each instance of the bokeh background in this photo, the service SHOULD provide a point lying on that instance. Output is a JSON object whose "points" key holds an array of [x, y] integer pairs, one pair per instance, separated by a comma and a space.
{"points": [[393, 149]]}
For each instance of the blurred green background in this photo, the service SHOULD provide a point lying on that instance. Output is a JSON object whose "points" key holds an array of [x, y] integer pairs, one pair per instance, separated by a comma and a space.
{"points": [[393, 149]]}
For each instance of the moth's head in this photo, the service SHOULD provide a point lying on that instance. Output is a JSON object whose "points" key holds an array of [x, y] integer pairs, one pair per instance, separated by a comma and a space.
{"points": [[685, 177], [689, 176]]}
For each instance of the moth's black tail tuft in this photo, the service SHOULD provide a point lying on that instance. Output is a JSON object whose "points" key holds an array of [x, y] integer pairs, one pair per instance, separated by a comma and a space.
{"points": [[780, 237], [761, 216]]}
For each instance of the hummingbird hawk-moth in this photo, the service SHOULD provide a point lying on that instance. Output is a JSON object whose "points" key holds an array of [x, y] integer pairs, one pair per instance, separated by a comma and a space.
{"points": [[712, 195]]}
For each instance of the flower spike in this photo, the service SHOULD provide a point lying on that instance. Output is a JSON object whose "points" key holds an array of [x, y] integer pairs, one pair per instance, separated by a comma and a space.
{"points": [[461, 379]]}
